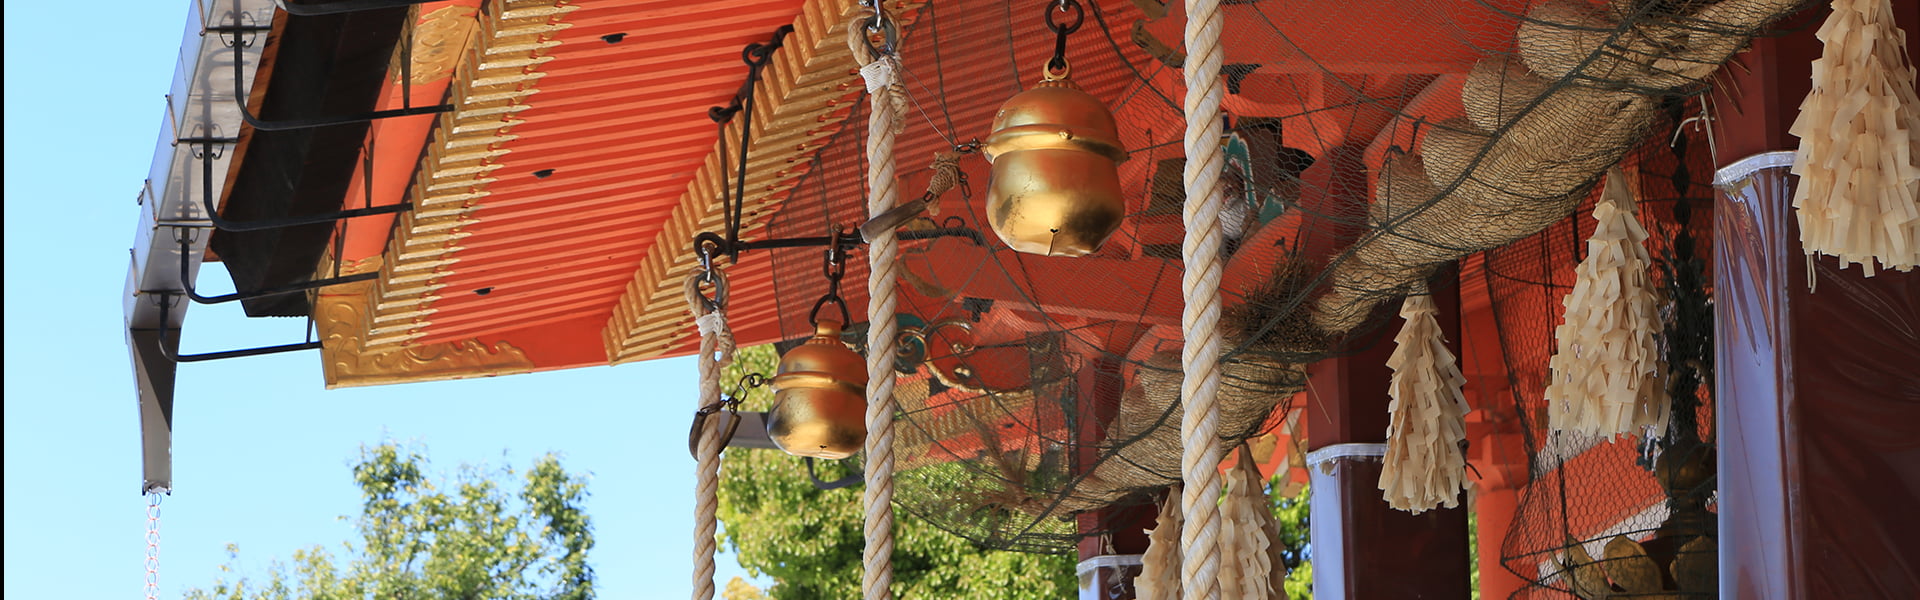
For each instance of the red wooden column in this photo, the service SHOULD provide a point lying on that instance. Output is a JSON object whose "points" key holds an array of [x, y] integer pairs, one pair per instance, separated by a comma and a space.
{"points": [[1818, 391], [1363, 549], [1123, 528]]}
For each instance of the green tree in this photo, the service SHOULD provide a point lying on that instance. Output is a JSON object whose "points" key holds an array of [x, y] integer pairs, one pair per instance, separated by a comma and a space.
{"points": [[739, 589], [809, 540], [1295, 519], [464, 538]]}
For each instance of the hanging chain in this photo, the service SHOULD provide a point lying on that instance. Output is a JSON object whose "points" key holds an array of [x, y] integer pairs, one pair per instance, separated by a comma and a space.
{"points": [[1056, 67], [836, 268], [153, 545]]}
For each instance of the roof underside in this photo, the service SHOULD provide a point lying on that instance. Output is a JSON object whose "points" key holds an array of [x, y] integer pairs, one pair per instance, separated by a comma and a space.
{"points": [[555, 206]]}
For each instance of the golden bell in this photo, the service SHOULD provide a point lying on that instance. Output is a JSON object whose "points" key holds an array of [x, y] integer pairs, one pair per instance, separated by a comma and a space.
{"points": [[820, 398], [1056, 185]]}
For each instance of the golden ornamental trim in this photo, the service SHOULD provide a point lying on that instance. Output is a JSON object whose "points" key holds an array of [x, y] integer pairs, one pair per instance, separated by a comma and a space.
{"points": [[495, 72], [346, 361], [800, 102]]}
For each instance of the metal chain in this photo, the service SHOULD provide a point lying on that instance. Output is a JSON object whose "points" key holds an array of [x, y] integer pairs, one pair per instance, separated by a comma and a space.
{"points": [[835, 269], [153, 545]]}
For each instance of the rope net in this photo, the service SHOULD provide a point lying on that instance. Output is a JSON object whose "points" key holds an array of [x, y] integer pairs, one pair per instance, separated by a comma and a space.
{"points": [[1582, 492], [1367, 145]]}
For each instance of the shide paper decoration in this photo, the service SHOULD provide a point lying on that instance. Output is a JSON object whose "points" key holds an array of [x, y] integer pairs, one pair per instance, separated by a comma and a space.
{"points": [[1606, 372], [1859, 156], [1425, 466]]}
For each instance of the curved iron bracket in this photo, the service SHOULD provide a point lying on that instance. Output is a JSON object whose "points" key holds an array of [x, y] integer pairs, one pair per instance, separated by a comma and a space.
{"points": [[186, 282], [237, 30], [341, 6], [213, 214], [173, 354]]}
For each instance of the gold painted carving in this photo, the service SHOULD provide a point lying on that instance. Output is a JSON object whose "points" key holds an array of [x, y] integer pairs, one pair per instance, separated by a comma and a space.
{"points": [[799, 97], [439, 39], [341, 313], [508, 43]]}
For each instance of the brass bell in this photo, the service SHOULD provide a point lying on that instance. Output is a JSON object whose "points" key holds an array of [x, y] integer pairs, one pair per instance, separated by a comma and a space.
{"points": [[1056, 185], [820, 398]]}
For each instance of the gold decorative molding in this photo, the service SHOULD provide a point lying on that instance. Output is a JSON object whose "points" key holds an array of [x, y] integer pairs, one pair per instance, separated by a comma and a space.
{"points": [[339, 314], [440, 38], [801, 100], [497, 68]]}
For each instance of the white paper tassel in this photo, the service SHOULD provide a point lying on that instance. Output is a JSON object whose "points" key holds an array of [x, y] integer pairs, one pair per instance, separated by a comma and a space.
{"points": [[1859, 156], [1160, 568], [1606, 373], [1246, 563], [1424, 465]]}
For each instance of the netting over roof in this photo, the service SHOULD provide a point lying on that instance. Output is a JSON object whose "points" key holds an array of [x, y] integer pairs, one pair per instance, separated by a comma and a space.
{"points": [[1372, 142]]}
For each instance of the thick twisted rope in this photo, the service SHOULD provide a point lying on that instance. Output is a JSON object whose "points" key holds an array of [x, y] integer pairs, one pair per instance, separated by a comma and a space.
{"points": [[1200, 287], [716, 350], [883, 253]]}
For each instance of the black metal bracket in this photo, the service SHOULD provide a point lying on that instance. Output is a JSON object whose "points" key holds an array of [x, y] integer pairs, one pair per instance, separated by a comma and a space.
{"points": [[172, 354], [757, 55], [186, 283], [341, 6], [719, 245], [213, 214], [969, 233], [240, 93], [858, 476]]}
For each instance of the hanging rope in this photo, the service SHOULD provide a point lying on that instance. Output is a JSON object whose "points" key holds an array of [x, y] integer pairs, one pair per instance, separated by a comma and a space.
{"points": [[716, 350], [1200, 287], [153, 545], [879, 65]]}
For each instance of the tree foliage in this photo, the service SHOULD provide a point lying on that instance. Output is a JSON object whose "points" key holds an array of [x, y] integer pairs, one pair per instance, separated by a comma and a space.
{"points": [[465, 539], [809, 540], [1295, 519]]}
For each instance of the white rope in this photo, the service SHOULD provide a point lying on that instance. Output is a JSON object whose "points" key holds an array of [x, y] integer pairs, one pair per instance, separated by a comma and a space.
{"points": [[716, 350], [883, 253], [1200, 287]]}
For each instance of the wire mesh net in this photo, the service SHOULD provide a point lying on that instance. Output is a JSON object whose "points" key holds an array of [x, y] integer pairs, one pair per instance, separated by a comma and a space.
{"points": [[1369, 143], [1585, 491]]}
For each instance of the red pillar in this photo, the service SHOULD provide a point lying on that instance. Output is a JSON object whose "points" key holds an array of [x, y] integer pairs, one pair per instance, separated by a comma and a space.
{"points": [[1362, 548], [1819, 391], [1121, 530], [1495, 509]]}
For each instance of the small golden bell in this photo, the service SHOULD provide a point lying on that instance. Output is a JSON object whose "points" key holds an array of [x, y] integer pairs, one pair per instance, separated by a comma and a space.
{"points": [[1056, 185], [819, 398]]}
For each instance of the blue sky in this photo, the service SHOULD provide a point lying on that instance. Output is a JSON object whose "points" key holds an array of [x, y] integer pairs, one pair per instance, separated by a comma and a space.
{"points": [[261, 449]]}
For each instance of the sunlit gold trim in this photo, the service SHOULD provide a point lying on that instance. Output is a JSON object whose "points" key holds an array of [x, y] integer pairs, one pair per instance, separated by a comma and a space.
{"points": [[797, 100], [339, 314], [492, 80]]}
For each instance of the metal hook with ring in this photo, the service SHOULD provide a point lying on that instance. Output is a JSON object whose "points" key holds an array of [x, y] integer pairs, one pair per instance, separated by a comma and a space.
{"points": [[1056, 68], [835, 269], [708, 277], [888, 29], [1073, 6], [729, 424]]}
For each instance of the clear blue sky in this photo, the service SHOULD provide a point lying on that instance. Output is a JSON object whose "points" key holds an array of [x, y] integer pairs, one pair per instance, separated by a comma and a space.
{"points": [[261, 449]]}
